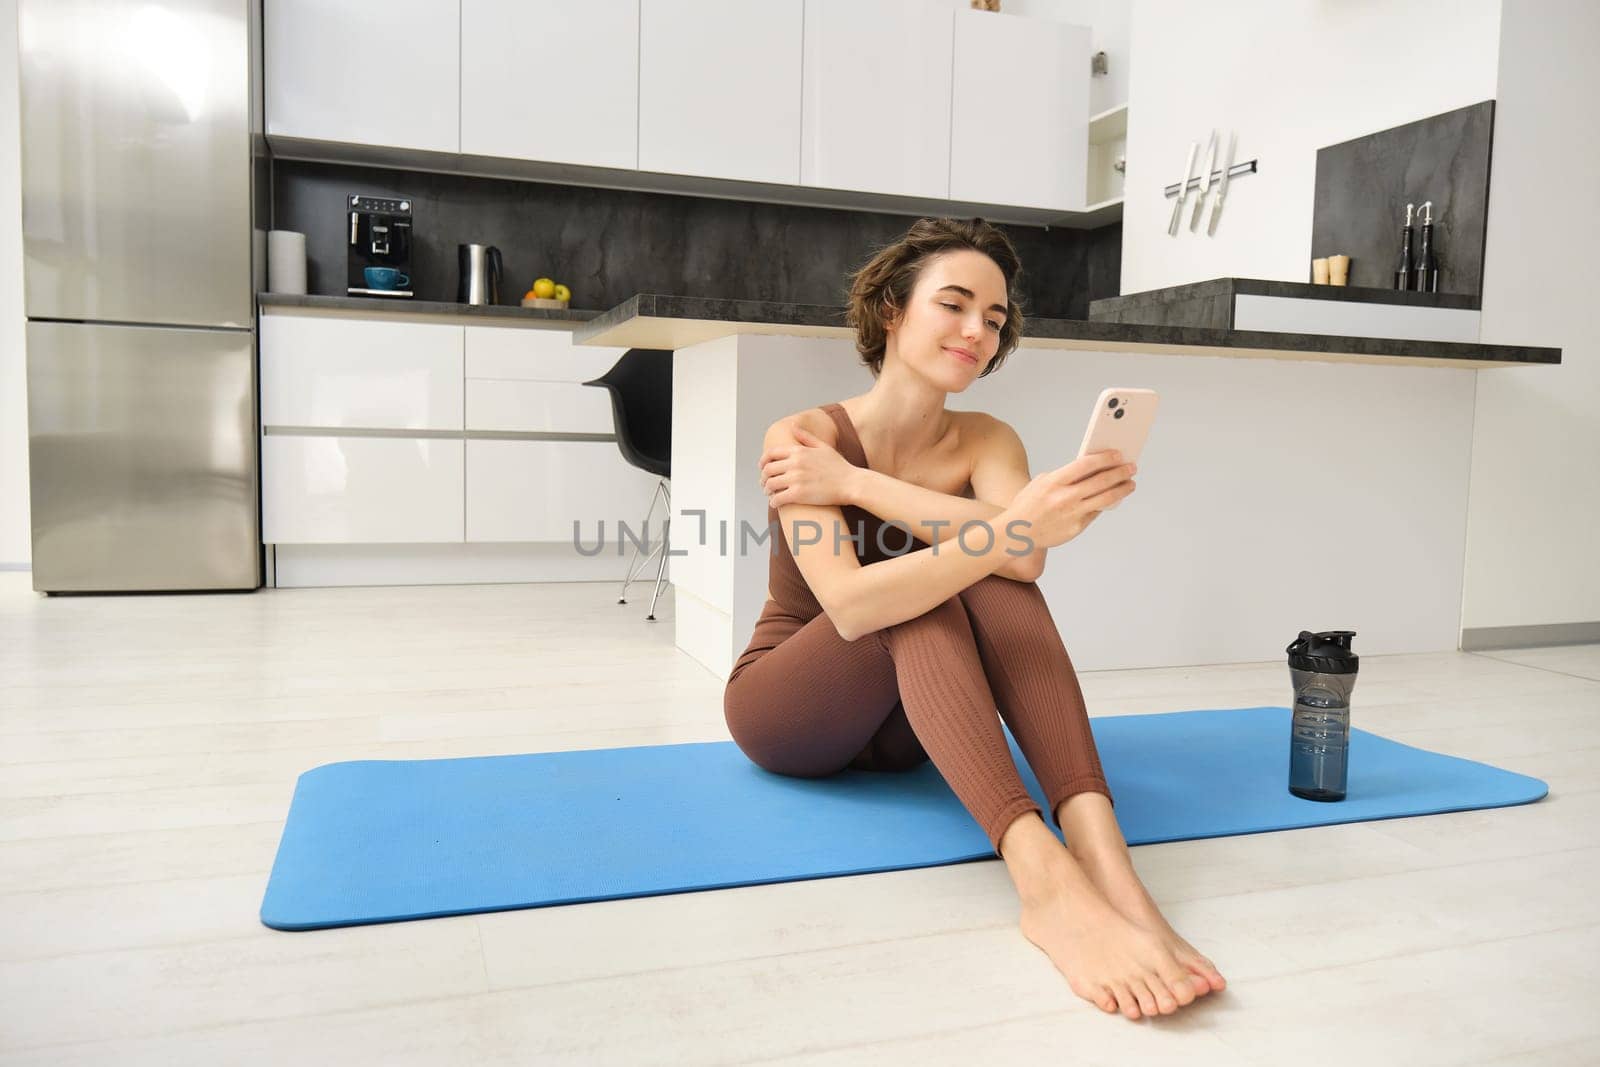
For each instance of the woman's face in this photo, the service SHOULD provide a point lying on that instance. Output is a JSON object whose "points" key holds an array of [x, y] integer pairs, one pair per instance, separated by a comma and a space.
{"points": [[950, 328]]}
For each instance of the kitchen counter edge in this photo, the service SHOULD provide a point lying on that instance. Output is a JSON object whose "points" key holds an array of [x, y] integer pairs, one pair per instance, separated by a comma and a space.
{"points": [[379, 306], [660, 321]]}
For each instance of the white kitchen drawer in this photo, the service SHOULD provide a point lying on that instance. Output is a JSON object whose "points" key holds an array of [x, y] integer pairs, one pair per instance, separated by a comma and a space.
{"points": [[534, 355], [544, 407], [360, 490], [361, 374], [534, 490]]}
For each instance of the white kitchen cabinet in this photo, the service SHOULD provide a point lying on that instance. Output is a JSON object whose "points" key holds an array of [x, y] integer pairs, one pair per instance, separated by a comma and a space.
{"points": [[538, 407], [353, 373], [875, 110], [1020, 139], [534, 355], [719, 88], [364, 73], [551, 80], [361, 490], [536, 490]]}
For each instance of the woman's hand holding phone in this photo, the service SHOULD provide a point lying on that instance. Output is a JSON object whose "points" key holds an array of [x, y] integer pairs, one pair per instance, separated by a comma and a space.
{"points": [[1059, 505]]}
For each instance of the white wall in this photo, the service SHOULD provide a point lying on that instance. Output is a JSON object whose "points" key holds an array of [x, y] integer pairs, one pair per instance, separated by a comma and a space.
{"points": [[1262, 67], [1533, 555], [1247, 527], [15, 543], [1290, 76]]}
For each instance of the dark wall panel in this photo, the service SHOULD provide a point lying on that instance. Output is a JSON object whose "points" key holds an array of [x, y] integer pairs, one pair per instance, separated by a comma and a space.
{"points": [[1364, 185]]}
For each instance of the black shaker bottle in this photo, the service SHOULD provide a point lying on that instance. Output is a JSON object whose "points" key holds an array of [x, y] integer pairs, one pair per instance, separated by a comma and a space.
{"points": [[1323, 670]]}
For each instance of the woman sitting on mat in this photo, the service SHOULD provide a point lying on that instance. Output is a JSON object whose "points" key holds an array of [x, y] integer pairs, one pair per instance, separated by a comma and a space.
{"points": [[892, 653]]}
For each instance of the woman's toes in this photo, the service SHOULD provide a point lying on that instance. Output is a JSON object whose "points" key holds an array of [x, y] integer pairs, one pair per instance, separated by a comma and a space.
{"points": [[1147, 999], [1182, 985], [1127, 1002], [1211, 974], [1166, 1000], [1106, 1000], [1207, 977]]}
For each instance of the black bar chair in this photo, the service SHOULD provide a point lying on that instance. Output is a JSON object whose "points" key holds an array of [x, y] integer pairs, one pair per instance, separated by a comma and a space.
{"points": [[641, 406]]}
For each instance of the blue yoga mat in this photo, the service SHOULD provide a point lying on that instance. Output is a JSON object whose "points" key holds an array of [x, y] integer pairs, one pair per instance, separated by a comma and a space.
{"points": [[383, 840]]}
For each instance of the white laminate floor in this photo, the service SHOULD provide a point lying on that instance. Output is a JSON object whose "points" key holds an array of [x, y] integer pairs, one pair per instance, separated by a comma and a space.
{"points": [[149, 747]]}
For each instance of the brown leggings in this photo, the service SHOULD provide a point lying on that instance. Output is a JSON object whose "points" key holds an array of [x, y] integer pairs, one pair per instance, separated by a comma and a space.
{"points": [[926, 688]]}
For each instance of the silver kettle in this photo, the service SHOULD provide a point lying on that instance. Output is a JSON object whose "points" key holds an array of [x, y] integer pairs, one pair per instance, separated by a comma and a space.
{"points": [[481, 269]]}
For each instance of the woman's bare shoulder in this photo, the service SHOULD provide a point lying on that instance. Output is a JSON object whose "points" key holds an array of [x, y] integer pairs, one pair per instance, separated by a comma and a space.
{"points": [[814, 421], [981, 430]]}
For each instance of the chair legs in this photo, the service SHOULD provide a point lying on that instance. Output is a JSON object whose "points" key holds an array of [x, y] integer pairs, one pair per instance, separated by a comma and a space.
{"points": [[661, 492], [661, 570]]}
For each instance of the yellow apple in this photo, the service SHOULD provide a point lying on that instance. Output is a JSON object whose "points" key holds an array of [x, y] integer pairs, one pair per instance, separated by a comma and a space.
{"points": [[544, 288]]}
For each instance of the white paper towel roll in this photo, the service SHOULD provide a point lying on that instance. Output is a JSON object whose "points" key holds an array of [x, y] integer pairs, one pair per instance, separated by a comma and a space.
{"points": [[286, 262]]}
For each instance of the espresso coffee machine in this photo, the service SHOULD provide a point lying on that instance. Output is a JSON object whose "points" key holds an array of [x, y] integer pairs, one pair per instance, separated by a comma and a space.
{"points": [[380, 246]]}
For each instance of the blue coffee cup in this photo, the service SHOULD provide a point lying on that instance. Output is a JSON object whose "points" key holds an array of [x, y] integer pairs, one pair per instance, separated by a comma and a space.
{"points": [[385, 278]]}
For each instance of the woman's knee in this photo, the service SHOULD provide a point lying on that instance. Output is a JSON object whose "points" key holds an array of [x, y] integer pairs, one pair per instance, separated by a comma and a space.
{"points": [[1001, 602], [994, 585], [946, 617], [1004, 599], [940, 614]]}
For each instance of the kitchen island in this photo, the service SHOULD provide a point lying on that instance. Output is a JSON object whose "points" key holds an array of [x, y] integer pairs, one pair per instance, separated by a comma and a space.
{"points": [[655, 321], [1280, 491]]}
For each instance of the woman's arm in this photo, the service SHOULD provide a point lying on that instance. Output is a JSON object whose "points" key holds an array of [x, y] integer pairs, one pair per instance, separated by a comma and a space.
{"points": [[932, 517], [862, 600], [999, 471]]}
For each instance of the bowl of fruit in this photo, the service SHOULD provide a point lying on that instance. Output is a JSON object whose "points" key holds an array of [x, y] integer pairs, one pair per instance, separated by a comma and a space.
{"points": [[547, 294]]}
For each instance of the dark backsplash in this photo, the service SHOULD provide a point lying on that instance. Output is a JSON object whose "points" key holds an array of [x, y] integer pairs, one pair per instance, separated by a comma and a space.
{"points": [[1363, 186], [608, 244]]}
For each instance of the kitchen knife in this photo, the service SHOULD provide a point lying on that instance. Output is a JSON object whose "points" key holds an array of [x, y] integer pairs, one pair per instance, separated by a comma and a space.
{"points": [[1205, 182], [1183, 191], [1222, 189]]}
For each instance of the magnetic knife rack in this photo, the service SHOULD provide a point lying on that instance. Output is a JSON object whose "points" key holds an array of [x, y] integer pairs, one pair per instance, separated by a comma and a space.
{"points": [[1247, 167]]}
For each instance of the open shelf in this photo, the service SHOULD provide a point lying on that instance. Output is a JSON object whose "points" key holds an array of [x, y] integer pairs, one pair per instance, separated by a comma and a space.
{"points": [[1108, 143], [1109, 125]]}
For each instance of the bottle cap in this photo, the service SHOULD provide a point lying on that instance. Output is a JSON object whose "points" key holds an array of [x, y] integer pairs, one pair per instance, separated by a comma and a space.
{"points": [[1327, 652], [1427, 212]]}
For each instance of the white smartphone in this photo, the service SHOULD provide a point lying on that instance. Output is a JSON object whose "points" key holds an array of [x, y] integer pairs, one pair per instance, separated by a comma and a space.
{"points": [[1120, 420]]}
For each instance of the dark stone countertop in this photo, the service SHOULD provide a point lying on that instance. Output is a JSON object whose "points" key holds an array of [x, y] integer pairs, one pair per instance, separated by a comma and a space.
{"points": [[1102, 310], [658, 321], [652, 320], [403, 306]]}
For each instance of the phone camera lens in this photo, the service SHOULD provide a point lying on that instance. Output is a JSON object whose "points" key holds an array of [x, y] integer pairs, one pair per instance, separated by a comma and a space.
{"points": [[1112, 403], [1118, 415]]}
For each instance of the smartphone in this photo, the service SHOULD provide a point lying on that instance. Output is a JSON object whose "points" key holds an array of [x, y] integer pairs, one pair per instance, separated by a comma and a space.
{"points": [[1120, 420]]}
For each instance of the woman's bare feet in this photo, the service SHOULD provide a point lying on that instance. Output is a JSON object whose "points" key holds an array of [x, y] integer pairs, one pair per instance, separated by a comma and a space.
{"points": [[1107, 959], [1102, 854], [1120, 885]]}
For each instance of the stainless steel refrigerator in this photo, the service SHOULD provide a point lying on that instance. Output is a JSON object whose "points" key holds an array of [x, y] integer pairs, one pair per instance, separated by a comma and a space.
{"points": [[142, 181]]}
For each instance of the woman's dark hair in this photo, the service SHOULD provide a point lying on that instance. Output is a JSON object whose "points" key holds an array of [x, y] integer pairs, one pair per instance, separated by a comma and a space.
{"points": [[881, 288]]}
